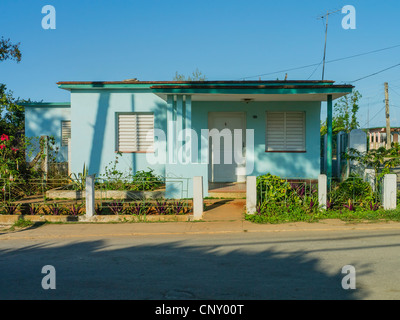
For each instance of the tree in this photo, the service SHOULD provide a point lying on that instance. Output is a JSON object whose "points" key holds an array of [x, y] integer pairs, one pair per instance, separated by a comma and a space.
{"points": [[344, 114], [9, 50], [381, 159], [196, 75], [11, 112]]}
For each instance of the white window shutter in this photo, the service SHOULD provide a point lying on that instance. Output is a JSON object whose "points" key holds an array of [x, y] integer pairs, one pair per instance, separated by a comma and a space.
{"points": [[65, 132], [136, 132], [285, 131]]}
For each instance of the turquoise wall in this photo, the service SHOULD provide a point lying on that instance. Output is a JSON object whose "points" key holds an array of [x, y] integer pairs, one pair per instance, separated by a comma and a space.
{"points": [[288, 165], [93, 142], [46, 121], [93, 116]]}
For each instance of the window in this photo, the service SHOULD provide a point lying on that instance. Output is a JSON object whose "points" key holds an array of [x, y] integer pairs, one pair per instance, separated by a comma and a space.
{"points": [[285, 132], [135, 132], [65, 132]]}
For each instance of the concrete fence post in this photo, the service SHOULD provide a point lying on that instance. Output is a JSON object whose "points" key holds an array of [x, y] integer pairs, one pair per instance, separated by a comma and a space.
{"points": [[251, 194], [369, 176], [322, 190], [198, 198], [45, 151], [389, 191], [89, 195]]}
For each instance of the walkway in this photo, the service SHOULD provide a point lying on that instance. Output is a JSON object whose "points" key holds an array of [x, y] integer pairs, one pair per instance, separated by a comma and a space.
{"points": [[225, 210]]}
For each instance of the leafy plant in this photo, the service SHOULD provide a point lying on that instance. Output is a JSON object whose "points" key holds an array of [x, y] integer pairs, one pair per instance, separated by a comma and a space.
{"points": [[33, 209], [79, 180], [75, 210], [162, 207], [382, 160], [146, 180], [349, 206], [374, 205], [11, 208], [178, 207], [98, 209], [138, 208], [116, 207], [55, 209]]}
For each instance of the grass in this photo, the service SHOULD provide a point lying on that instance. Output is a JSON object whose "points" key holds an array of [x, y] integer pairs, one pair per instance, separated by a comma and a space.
{"points": [[21, 224], [358, 215]]}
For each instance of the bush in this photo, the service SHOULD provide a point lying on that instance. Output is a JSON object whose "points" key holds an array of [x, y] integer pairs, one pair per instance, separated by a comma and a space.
{"points": [[282, 201]]}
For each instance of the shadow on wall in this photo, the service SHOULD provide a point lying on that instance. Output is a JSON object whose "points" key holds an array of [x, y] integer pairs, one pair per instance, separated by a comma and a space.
{"points": [[39, 122], [171, 270], [99, 133]]}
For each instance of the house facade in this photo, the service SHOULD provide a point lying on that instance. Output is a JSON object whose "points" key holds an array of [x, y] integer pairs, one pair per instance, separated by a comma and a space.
{"points": [[221, 130]]}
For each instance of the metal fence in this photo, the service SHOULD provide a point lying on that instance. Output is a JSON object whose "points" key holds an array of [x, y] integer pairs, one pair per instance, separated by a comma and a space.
{"points": [[112, 196], [283, 190], [349, 193]]}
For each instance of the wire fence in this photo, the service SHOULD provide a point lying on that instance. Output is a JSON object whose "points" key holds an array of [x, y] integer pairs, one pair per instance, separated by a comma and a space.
{"points": [[112, 196], [349, 193], [275, 189]]}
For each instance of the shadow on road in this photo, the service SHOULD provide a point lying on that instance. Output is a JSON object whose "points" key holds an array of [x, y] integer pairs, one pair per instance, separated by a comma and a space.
{"points": [[173, 270]]}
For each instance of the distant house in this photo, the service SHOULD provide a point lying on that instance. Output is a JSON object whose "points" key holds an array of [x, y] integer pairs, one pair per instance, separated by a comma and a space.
{"points": [[377, 136], [221, 130]]}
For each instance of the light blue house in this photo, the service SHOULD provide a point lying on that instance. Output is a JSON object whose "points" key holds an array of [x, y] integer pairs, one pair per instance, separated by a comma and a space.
{"points": [[221, 130]]}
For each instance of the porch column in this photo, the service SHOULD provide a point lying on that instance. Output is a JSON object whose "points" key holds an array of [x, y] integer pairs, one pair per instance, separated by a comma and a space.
{"points": [[170, 129], [329, 138]]}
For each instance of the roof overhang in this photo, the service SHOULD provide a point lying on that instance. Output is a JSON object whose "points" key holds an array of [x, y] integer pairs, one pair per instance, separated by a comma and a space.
{"points": [[47, 104], [298, 90]]}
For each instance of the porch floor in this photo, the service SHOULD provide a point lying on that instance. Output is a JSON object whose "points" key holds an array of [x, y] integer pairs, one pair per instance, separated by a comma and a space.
{"points": [[227, 189]]}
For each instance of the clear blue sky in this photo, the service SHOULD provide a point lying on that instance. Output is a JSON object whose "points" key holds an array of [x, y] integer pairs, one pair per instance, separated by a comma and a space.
{"points": [[226, 40]]}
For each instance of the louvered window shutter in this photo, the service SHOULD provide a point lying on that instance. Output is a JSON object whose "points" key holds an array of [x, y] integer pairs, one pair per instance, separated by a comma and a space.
{"points": [[285, 131], [65, 132], [136, 132]]}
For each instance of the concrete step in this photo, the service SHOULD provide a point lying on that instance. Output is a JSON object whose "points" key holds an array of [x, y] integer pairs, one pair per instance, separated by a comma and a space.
{"points": [[227, 195]]}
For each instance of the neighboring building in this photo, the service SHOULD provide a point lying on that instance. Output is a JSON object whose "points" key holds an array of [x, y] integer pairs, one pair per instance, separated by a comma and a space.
{"points": [[377, 136], [277, 127]]}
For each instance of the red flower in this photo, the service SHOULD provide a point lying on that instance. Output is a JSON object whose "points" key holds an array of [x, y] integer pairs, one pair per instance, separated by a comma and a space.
{"points": [[4, 137], [2, 146], [14, 149]]}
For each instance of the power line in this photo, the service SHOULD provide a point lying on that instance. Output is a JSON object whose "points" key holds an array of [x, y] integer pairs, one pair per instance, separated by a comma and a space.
{"points": [[374, 116], [314, 70], [329, 61], [375, 73], [391, 88]]}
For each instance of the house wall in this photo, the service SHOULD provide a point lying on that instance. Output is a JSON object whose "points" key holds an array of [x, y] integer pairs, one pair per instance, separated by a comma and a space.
{"points": [[93, 141], [93, 133], [288, 165], [46, 121]]}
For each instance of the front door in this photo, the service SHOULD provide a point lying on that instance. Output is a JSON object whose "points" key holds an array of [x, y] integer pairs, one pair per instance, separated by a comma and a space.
{"points": [[226, 145]]}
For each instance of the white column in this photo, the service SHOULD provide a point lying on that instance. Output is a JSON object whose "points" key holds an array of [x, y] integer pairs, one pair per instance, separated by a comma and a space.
{"points": [[322, 191], [89, 195], [389, 191], [251, 194], [197, 198]]}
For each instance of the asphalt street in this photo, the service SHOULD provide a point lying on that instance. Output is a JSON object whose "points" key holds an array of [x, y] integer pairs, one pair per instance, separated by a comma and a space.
{"points": [[290, 264]]}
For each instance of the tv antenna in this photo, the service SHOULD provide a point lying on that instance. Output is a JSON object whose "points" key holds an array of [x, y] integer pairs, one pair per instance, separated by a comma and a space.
{"points": [[326, 35]]}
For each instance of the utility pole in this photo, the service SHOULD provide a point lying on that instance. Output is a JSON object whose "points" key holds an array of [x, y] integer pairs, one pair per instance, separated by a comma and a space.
{"points": [[326, 36], [388, 134]]}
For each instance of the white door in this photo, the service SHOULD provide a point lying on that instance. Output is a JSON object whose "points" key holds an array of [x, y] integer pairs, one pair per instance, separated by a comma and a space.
{"points": [[227, 147]]}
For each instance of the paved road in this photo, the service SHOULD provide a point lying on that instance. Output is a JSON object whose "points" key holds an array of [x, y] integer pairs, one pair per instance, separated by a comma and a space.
{"points": [[290, 264]]}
